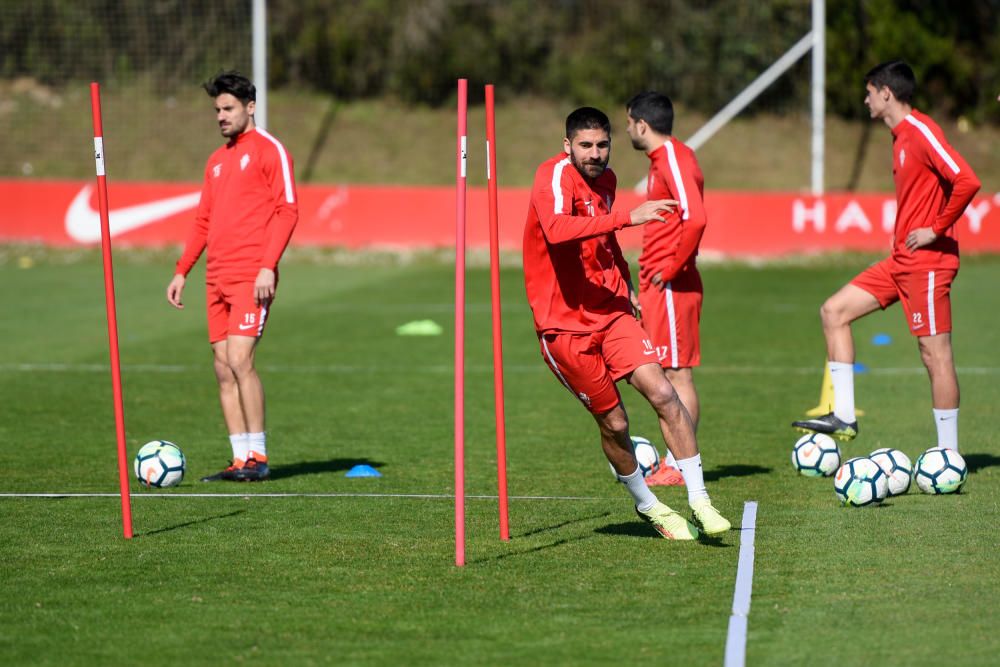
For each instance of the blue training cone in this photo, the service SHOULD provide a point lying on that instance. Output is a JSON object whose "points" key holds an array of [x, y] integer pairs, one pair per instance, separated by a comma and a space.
{"points": [[362, 470]]}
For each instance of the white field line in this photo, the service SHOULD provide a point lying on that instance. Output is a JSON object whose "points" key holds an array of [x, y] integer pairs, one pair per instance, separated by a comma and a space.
{"points": [[414, 496], [32, 367], [736, 639]]}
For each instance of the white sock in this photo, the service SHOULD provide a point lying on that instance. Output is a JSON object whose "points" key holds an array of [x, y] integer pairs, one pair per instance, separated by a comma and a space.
{"points": [[256, 443], [240, 445], [842, 375], [669, 460], [694, 479], [947, 428], [636, 485]]}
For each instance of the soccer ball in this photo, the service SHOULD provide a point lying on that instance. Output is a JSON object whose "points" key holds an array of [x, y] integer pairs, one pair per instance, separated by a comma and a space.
{"points": [[645, 454], [897, 466], [816, 455], [159, 463], [940, 470], [860, 481]]}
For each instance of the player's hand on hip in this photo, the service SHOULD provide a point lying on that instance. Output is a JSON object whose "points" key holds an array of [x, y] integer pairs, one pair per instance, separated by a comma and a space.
{"points": [[174, 291], [263, 287], [657, 281], [651, 210], [920, 237]]}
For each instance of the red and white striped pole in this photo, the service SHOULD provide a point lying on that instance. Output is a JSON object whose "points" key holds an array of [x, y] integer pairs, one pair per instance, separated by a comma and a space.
{"points": [[491, 181], [109, 298], [460, 180]]}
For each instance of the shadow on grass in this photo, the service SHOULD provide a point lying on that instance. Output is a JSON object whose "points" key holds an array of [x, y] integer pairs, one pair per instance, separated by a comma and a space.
{"points": [[193, 522], [739, 470], [977, 462], [640, 529], [319, 467], [557, 526], [525, 552]]}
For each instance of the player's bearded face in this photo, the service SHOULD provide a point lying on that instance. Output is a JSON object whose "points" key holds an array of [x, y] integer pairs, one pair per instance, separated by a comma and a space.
{"points": [[589, 151], [232, 115]]}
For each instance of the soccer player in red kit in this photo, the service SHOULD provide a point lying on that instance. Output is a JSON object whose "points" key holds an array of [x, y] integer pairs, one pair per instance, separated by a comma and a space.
{"points": [[934, 185], [245, 219], [670, 289], [578, 287]]}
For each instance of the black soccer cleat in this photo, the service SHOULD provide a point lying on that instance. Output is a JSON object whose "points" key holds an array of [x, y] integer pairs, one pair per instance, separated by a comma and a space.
{"points": [[829, 424], [227, 475], [253, 471]]}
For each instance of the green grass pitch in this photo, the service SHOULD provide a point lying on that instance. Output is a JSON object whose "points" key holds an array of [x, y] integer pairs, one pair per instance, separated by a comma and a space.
{"points": [[370, 579]]}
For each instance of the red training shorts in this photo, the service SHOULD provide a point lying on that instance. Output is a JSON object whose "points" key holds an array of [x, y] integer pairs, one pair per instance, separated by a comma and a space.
{"points": [[671, 313], [924, 293], [589, 364], [232, 311]]}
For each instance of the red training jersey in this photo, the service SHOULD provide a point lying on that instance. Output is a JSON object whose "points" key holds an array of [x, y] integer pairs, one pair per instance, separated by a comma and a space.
{"points": [[247, 211], [574, 272], [934, 185], [671, 247]]}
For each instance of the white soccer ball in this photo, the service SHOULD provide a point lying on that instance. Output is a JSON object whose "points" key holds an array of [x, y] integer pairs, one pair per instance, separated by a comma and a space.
{"points": [[816, 455], [159, 464], [860, 482], [897, 466], [940, 470], [645, 454]]}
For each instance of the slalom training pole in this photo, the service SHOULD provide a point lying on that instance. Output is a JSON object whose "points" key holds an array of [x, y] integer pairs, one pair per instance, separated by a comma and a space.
{"points": [[460, 180], [109, 299], [491, 181]]}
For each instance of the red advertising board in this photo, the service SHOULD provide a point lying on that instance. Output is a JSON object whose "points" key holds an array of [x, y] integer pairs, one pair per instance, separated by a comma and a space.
{"points": [[756, 224]]}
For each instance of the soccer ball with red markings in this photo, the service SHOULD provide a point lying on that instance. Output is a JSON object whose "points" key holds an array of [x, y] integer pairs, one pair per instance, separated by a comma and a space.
{"points": [[940, 470], [159, 464], [860, 482], [645, 454], [816, 455], [897, 466]]}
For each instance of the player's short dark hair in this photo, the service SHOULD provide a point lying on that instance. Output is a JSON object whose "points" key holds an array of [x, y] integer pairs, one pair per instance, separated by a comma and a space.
{"points": [[654, 108], [231, 82], [895, 75], [586, 118]]}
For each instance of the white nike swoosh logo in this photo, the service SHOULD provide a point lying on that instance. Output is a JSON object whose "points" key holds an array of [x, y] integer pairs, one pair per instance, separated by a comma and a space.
{"points": [[83, 223], [244, 327]]}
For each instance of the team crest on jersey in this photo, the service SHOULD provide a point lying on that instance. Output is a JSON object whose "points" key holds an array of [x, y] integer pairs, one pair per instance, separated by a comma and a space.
{"points": [[216, 170], [244, 161], [902, 157]]}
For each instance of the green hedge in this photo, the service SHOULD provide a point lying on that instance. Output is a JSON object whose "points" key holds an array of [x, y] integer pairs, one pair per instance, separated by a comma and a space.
{"points": [[699, 51]]}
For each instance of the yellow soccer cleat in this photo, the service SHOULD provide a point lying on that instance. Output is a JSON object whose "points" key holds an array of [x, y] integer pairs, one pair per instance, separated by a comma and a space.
{"points": [[668, 523], [708, 518]]}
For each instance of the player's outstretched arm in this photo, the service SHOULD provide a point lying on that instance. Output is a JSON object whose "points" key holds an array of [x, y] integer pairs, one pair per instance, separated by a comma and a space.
{"points": [[174, 291], [649, 211]]}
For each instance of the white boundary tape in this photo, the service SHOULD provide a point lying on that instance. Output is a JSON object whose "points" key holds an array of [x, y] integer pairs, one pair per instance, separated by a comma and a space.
{"points": [[736, 639], [415, 496]]}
